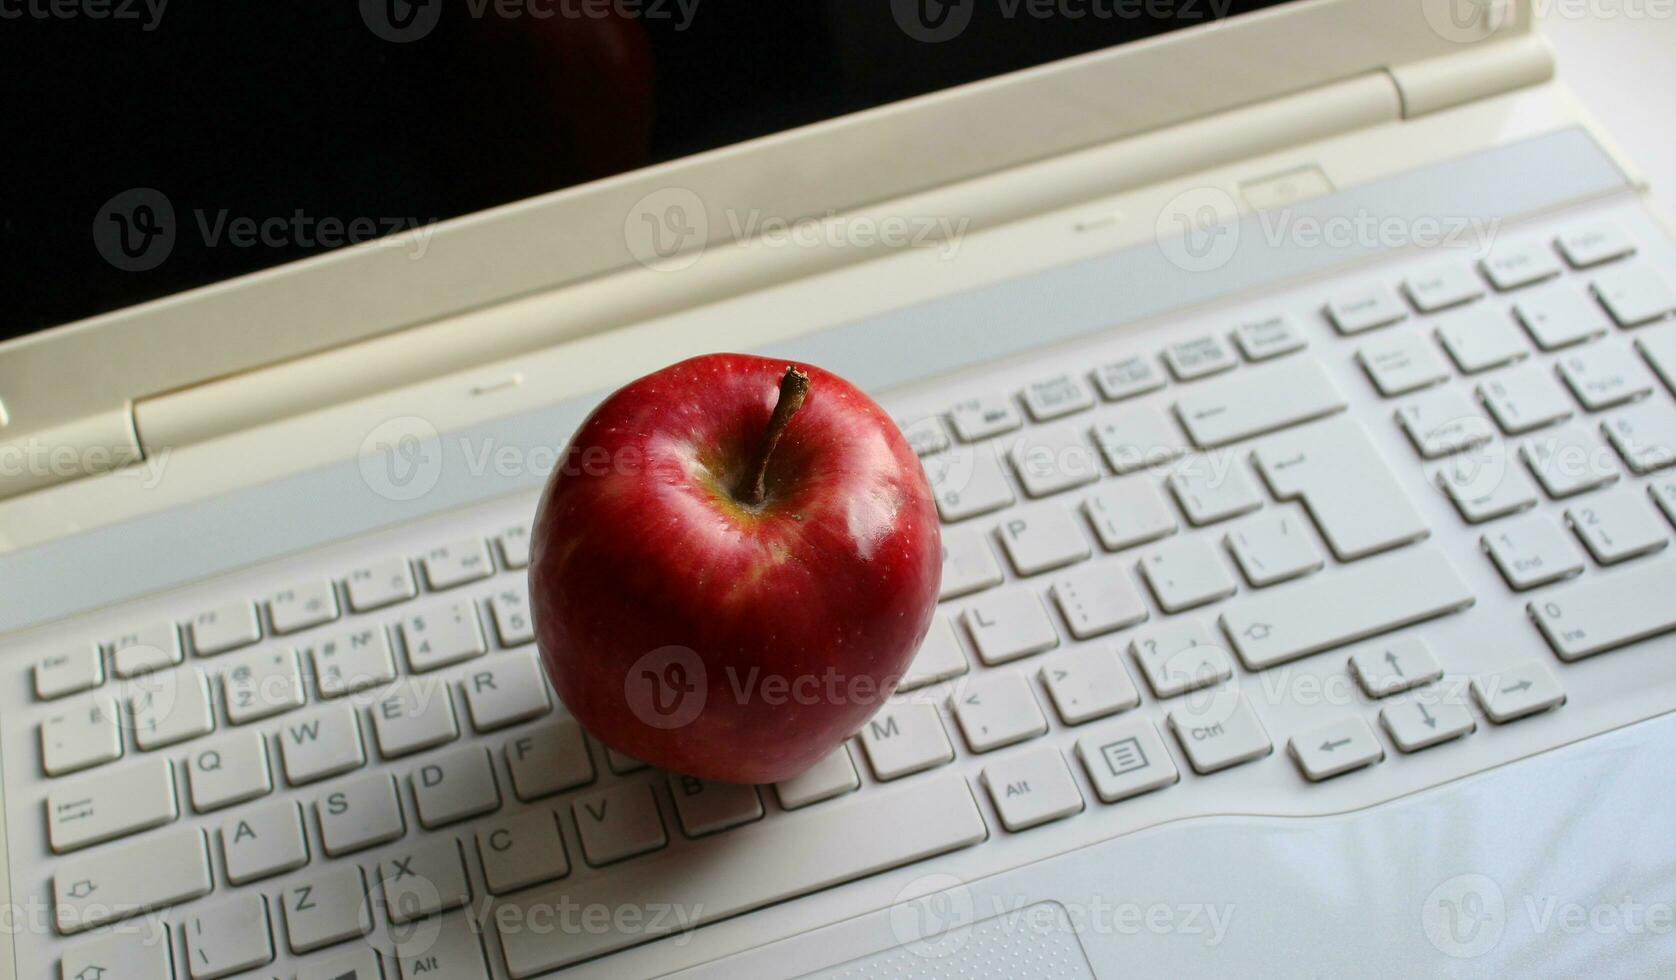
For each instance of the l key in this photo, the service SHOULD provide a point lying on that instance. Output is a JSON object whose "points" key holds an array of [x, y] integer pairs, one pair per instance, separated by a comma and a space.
{"points": [[1346, 486]]}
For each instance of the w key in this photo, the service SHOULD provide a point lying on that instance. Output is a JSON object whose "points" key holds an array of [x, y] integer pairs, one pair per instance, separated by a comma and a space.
{"points": [[1346, 486]]}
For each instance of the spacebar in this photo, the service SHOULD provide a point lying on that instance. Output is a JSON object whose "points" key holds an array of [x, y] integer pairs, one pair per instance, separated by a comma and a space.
{"points": [[1367, 599], [783, 857]]}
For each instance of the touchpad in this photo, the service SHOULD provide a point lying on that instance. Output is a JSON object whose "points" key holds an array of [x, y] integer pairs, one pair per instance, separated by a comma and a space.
{"points": [[1036, 941]]}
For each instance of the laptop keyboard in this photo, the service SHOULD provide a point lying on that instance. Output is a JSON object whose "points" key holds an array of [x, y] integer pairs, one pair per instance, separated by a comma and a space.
{"points": [[364, 773]]}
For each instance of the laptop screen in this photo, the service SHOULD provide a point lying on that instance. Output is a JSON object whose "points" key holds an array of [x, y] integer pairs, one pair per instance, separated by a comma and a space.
{"points": [[249, 135]]}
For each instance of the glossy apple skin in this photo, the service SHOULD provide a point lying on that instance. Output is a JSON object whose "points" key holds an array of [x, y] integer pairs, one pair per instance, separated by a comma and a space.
{"points": [[640, 544]]}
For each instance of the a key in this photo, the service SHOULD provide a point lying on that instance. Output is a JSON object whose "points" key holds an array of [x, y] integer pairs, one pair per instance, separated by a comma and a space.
{"points": [[302, 606], [330, 907], [997, 710], [510, 609], [925, 435], [827, 779], [1392, 668], [121, 801], [939, 657], [170, 708], [1604, 376], [1335, 470], [263, 841], [261, 684], [1481, 338], [325, 910], [1561, 315], [1365, 309], [1328, 611], [705, 808], [383, 583], [1607, 613], [1519, 264], [1098, 600], [506, 691], [1125, 759], [1444, 422], [455, 785], [1219, 732], [1335, 749], [1273, 549], [228, 937], [522, 851], [1635, 295], [138, 952], [360, 813], [117, 883], [69, 671], [1127, 513], [1524, 398], [967, 482], [1135, 438], [1053, 460], [1569, 460], [442, 635], [229, 770], [549, 759], [984, 416], [1487, 484], [1594, 244], [1056, 397], [80, 734], [1617, 526], [1658, 346], [453, 951], [354, 964], [904, 739], [1008, 624], [1181, 655], [619, 823], [1032, 788], [1186, 574], [1214, 488], [1268, 337], [144, 650], [1441, 287], [226, 627], [425, 879], [1262, 400], [320, 745], [1087, 684], [413, 716], [1199, 357], [1128, 377], [456, 563], [968, 563], [1041, 538], [1644, 435], [1425, 720], [1517, 692], [351, 661], [514, 546], [1402, 363]]}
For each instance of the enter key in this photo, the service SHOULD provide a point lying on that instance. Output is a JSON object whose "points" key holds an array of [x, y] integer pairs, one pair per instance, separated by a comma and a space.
{"points": [[1338, 474]]}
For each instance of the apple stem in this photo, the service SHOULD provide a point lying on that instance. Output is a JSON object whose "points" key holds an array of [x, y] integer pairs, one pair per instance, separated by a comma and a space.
{"points": [[794, 388]]}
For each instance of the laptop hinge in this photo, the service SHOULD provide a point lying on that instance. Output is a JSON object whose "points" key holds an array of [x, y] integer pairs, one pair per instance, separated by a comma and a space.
{"points": [[1475, 72]]}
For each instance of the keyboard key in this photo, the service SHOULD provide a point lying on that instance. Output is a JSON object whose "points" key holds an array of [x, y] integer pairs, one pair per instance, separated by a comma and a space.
{"points": [[139, 952], [1635, 295], [1212, 489], [1402, 363], [619, 823], [1444, 422], [1525, 398], [1335, 749], [1658, 346], [1480, 339], [1561, 315], [380, 584], [939, 657], [1262, 400], [1219, 732], [1337, 473], [261, 684], [1199, 357], [1128, 377], [1125, 759], [704, 807], [1664, 494], [1088, 684], [829, 778], [1569, 460], [1441, 287], [1604, 614], [1056, 397], [263, 841], [1269, 337], [229, 770], [1181, 655], [228, 937], [967, 482], [324, 744], [453, 786], [119, 883], [330, 907], [1617, 526], [442, 635], [925, 435], [549, 759], [353, 964], [118, 802], [980, 418], [456, 563], [69, 671], [454, 951], [997, 710], [1008, 624], [1533, 551], [171, 708], [1644, 435], [144, 650], [1392, 668], [904, 739], [1052, 460], [413, 716], [506, 691], [1042, 538], [1602, 376], [522, 851], [423, 880], [360, 813], [968, 563], [302, 606], [510, 610], [1136, 438], [1425, 721], [1032, 788], [226, 627], [80, 734], [1186, 574], [1485, 485], [1364, 310], [1513, 266], [351, 661], [514, 545], [1328, 611], [1594, 244], [1096, 601], [1129, 513], [1273, 549], [1517, 692]]}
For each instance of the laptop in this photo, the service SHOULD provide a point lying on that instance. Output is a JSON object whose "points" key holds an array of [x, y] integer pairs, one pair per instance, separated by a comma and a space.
{"points": [[1298, 389]]}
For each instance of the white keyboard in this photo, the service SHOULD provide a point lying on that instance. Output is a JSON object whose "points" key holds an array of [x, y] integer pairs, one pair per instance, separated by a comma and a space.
{"points": [[1422, 492]]}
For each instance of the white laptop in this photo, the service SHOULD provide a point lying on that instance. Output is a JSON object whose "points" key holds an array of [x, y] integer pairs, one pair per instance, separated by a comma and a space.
{"points": [[1299, 394]]}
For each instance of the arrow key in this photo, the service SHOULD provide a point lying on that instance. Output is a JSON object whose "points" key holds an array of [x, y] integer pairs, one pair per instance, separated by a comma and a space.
{"points": [[1334, 749], [1391, 668], [1427, 720], [1519, 692]]}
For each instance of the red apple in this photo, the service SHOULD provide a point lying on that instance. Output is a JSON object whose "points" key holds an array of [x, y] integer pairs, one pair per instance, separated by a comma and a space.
{"points": [[733, 566]]}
